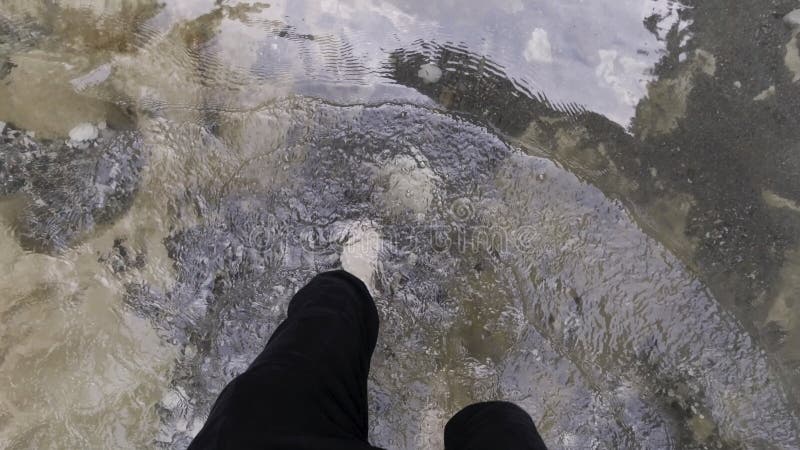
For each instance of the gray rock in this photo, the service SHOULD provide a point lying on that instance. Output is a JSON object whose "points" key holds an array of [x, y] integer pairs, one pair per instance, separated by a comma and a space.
{"points": [[69, 189], [93, 78], [792, 19], [16, 36], [5, 67]]}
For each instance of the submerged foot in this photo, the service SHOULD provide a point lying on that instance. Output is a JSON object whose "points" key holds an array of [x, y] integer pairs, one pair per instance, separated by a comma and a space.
{"points": [[360, 252]]}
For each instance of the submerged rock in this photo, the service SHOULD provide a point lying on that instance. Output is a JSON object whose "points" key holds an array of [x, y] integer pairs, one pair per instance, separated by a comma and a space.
{"points": [[792, 19], [84, 132], [111, 25], [69, 190], [38, 96], [792, 57]]}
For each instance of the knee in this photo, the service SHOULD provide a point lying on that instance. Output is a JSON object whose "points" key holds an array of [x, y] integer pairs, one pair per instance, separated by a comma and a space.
{"points": [[344, 292]]}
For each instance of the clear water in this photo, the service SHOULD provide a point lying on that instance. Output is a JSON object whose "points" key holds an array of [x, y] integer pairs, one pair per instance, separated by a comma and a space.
{"points": [[589, 208]]}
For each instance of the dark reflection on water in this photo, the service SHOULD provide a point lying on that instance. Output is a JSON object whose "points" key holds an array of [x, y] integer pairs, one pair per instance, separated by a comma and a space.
{"points": [[589, 209], [474, 84]]}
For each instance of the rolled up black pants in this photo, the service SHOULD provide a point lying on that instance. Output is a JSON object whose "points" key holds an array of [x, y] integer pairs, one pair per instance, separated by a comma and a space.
{"points": [[308, 388]]}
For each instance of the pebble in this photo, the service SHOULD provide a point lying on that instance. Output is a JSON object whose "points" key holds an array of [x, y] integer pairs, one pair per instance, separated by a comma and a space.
{"points": [[792, 19], [430, 73], [84, 132], [2, 127], [93, 78], [171, 400], [765, 94]]}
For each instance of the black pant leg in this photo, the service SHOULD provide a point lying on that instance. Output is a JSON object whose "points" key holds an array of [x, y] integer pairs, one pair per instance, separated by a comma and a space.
{"points": [[490, 426], [308, 388]]}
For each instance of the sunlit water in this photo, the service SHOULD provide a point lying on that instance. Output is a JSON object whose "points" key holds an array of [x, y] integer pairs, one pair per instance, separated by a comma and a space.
{"points": [[588, 208]]}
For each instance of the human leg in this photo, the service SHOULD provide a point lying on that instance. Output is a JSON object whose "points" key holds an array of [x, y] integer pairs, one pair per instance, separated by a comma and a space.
{"points": [[492, 425], [308, 387]]}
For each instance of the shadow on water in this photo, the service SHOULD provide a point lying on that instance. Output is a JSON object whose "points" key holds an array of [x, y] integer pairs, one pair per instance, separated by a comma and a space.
{"points": [[629, 286]]}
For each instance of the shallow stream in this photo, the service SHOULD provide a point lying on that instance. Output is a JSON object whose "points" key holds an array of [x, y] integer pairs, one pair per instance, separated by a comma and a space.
{"points": [[589, 208]]}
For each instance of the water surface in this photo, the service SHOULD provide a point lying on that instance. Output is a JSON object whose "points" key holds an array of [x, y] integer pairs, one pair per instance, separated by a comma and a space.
{"points": [[588, 208]]}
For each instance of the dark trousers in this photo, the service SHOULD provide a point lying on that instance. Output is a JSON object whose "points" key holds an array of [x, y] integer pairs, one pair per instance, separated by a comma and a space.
{"points": [[308, 388]]}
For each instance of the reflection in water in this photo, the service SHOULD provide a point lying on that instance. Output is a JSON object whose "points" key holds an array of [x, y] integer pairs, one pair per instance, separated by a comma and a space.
{"points": [[470, 83], [494, 170], [693, 179]]}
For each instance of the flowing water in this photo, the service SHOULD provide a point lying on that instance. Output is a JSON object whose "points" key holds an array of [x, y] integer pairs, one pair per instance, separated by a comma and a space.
{"points": [[589, 208]]}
